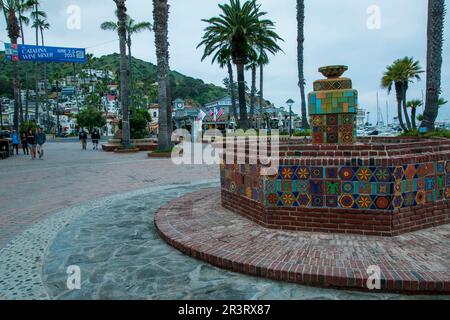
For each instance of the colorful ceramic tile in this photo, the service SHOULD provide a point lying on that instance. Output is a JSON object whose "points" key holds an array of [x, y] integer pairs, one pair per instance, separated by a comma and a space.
{"points": [[288, 199], [346, 201], [332, 187], [348, 187], [317, 173], [383, 203], [300, 186], [399, 173], [364, 174], [384, 188], [346, 174], [303, 173], [304, 200], [410, 172], [383, 174], [420, 197], [364, 202], [317, 201], [331, 173], [316, 187], [331, 201]]}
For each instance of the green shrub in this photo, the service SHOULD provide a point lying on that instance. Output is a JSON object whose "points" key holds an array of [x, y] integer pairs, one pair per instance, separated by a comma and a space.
{"points": [[440, 133], [139, 124], [27, 126]]}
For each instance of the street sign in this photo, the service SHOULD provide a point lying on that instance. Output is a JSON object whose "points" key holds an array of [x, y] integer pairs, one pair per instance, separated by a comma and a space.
{"points": [[45, 54]]}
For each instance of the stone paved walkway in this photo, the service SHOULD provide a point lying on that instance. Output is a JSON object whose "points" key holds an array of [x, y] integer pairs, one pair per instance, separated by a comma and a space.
{"points": [[115, 243], [96, 210], [197, 225], [33, 190]]}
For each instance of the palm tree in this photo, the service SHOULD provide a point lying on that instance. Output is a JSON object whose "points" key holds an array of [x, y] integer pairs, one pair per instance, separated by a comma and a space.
{"points": [[253, 68], [24, 6], [132, 28], [224, 59], [435, 35], [161, 30], [412, 71], [263, 60], [241, 28], [398, 75], [9, 8], [300, 59], [414, 104], [42, 24], [122, 31], [35, 16]]}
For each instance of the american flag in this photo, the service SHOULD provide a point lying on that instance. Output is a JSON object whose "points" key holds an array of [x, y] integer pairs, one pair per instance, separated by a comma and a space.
{"points": [[220, 113]]}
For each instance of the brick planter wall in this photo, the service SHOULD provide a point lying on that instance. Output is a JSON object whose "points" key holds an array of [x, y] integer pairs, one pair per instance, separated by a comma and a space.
{"points": [[382, 186]]}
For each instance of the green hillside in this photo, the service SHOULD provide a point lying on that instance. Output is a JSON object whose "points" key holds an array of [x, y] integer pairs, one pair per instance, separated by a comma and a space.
{"points": [[181, 86]]}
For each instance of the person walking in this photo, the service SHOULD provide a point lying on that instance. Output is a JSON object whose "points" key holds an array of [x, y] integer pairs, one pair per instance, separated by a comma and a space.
{"points": [[24, 142], [31, 140], [96, 138], [83, 138], [15, 141], [41, 139]]}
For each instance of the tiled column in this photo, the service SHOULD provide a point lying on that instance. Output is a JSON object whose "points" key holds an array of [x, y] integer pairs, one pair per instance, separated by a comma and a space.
{"points": [[333, 106]]}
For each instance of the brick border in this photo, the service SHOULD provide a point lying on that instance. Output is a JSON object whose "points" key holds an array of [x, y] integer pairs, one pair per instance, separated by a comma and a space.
{"points": [[191, 230]]}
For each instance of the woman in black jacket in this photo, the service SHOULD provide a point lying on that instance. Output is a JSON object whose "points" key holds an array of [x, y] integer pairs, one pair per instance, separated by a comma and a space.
{"points": [[95, 138], [32, 143], [24, 142]]}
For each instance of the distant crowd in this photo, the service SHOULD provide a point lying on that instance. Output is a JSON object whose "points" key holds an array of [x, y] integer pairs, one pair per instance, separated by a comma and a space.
{"points": [[32, 142]]}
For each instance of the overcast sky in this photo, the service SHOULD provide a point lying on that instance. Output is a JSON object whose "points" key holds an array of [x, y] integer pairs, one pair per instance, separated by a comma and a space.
{"points": [[336, 33]]}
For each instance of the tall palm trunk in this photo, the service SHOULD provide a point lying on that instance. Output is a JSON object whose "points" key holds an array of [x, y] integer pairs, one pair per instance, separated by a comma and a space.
{"points": [[161, 20], [300, 59], [435, 35], [27, 84], [27, 94], [253, 95], [45, 88], [232, 90], [130, 65], [243, 121], [14, 33], [413, 117], [36, 71], [122, 15], [405, 107], [261, 91], [400, 92]]}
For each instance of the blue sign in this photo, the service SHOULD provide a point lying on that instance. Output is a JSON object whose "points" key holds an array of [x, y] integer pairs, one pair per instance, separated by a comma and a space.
{"points": [[50, 54]]}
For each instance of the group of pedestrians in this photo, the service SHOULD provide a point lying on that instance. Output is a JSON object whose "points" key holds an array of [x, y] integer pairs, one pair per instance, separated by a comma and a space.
{"points": [[32, 143], [95, 136]]}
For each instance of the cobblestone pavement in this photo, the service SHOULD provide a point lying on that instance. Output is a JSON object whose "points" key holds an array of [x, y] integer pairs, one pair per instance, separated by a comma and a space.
{"points": [[120, 255], [96, 211], [33, 190]]}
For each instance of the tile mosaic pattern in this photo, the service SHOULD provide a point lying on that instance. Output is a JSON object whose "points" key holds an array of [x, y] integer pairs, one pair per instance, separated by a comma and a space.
{"points": [[332, 84], [368, 188], [333, 108], [334, 101], [334, 128], [365, 188]]}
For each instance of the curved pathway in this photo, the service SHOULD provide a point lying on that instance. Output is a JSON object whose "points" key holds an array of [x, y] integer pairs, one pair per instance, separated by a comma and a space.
{"points": [[197, 225], [116, 245]]}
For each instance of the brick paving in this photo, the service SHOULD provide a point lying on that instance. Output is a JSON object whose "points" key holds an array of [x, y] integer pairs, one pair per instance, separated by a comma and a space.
{"points": [[197, 225], [30, 191]]}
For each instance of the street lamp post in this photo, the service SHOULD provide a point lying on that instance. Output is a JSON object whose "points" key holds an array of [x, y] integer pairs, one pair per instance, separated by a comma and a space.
{"points": [[290, 103]]}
